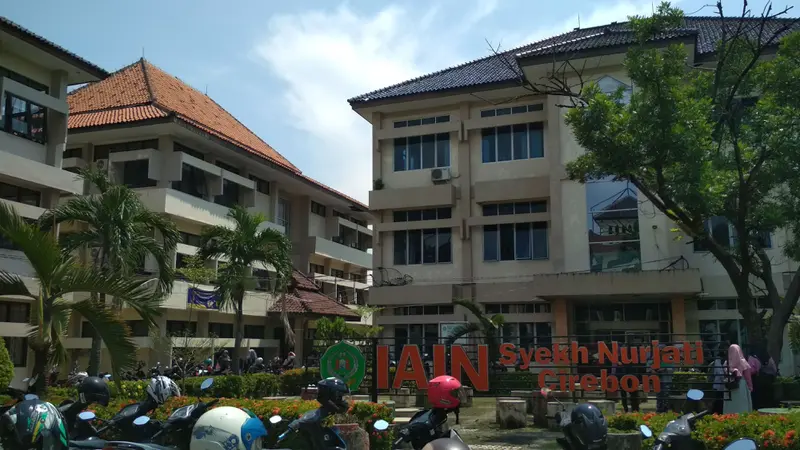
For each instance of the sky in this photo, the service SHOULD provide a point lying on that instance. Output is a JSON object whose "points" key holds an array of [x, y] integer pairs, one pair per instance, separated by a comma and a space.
{"points": [[286, 69]]}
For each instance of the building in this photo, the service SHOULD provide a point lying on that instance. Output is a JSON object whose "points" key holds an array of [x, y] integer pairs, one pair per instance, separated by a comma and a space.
{"points": [[34, 75], [471, 201], [190, 159]]}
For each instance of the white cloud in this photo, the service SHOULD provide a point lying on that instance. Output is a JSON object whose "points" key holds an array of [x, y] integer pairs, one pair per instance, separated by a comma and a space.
{"points": [[326, 57], [601, 14]]}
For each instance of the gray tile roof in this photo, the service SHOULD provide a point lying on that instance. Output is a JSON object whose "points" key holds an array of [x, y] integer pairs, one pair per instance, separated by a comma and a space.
{"points": [[492, 69], [54, 49]]}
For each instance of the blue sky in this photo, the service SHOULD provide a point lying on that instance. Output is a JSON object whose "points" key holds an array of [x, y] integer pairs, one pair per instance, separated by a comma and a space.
{"points": [[286, 69]]}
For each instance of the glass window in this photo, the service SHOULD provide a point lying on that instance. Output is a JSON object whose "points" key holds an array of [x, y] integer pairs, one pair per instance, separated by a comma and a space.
{"points": [[507, 247], [536, 140], [443, 150], [429, 246], [414, 247], [504, 143], [490, 251], [520, 141], [17, 350], [444, 236], [488, 145], [613, 217], [414, 153], [523, 240], [400, 247], [400, 154], [428, 151], [134, 174], [23, 118]]}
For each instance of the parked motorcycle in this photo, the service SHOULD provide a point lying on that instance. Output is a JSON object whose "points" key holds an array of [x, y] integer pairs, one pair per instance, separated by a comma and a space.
{"points": [[677, 434], [584, 428], [424, 427], [309, 425]]}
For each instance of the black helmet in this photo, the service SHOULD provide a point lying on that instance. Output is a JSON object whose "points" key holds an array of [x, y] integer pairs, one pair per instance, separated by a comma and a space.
{"points": [[35, 424], [93, 390], [445, 444], [331, 392], [589, 427]]}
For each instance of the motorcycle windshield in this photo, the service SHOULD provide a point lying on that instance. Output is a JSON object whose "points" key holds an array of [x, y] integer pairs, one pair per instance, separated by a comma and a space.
{"points": [[311, 417], [182, 413]]}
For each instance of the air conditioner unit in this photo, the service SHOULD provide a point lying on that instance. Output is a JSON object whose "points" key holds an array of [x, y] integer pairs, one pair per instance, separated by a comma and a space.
{"points": [[440, 175], [101, 165]]}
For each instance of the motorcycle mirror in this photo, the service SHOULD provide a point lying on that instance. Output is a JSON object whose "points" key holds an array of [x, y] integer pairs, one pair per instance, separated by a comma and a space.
{"points": [[31, 397], [25, 380], [381, 425], [646, 431], [87, 415], [141, 420], [206, 384], [275, 420], [742, 444], [695, 394]]}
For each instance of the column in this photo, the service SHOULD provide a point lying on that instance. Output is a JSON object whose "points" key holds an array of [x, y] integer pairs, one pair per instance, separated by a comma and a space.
{"points": [[165, 150], [678, 319], [56, 121]]}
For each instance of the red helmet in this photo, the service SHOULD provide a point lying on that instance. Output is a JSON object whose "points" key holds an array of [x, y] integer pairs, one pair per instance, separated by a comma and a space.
{"points": [[444, 392]]}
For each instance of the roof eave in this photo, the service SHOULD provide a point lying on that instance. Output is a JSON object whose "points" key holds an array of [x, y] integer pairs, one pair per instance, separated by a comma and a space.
{"points": [[53, 49], [356, 104]]}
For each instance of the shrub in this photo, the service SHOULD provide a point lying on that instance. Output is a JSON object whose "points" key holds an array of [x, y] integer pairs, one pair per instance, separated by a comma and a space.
{"points": [[293, 381], [6, 366], [683, 381]]}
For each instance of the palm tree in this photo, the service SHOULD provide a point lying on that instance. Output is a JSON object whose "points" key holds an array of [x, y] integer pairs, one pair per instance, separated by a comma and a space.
{"points": [[59, 274], [490, 328], [122, 233], [244, 244]]}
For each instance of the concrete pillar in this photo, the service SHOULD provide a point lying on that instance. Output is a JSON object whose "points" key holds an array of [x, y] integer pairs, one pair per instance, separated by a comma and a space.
{"points": [[299, 338], [552, 143], [463, 209], [678, 319], [560, 308], [165, 148], [202, 324], [56, 121], [274, 191]]}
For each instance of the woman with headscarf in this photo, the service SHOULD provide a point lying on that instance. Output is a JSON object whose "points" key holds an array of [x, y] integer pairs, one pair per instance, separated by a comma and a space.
{"points": [[741, 382]]}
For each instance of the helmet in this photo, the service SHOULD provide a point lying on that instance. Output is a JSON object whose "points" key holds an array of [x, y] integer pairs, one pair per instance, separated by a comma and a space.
{"points": [[445, 444], [589, 427], [259, 360], [444, 392], [227, 428], [291, 355], [93, 390], [76, 378], [331, 392], [35, 424], [161, 388]]}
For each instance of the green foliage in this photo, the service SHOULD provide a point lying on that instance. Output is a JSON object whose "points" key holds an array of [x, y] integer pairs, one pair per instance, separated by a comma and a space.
{"points": [[6, 366], [294, 380], [683, 381], [697, 144], [794, 331], [195, 270]]}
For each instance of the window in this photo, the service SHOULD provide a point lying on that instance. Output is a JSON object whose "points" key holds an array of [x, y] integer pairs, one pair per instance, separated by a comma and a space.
{"points": [[226, 166], [20, 194], [362, 223], [337, 273], [190, 239], [134, 174], [517, 308], [102, 151], [724, 233], [138, 328], [527, 335], [14, 312], [318, 209], [23, 118], [17, 350], [422, 152], [317, 268], [425, 336], [222, 330], [254, 332], [284, 210], [192, 182], [22, 79], [356, 277], [263, 280], [716, 304], [609, 86], [427, 310], [613, 219], [423, 246], [513, 110], [182, 327], [423, 121], [73, 153], [505, 209], [716, 334], [512, 142], [178, 147], [230, 194], [513, 241], [262, 186]]}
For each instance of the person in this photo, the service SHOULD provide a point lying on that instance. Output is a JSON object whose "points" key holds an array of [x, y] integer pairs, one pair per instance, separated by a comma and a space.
{"points": [[332, 395], [718, 370], [742, 382], [288, 363], [665, 375], [257, 366], [764, 373]]}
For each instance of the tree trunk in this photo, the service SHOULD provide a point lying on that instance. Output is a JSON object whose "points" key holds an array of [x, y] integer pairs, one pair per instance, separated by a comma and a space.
{"points": [[40, 369], [238, 336], [97, 348]]}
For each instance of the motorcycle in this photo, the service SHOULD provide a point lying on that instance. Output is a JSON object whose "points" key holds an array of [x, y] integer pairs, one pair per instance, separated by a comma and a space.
{"points": [[309, 426], [572, 440], [122, 421], [424, 427], [677, 434], [19, 395]]}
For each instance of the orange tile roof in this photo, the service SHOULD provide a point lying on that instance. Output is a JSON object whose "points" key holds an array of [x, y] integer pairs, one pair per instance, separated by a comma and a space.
{"points": [[306, 298], [142, 91]]}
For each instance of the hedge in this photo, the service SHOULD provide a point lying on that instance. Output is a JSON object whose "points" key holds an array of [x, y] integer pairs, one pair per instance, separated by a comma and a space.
{"points": [[363, 413], [716, 431], [787, 388]]}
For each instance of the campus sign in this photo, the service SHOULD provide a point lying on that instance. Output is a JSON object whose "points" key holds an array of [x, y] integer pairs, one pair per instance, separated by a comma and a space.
{"points": [[558, 357], [344, 361]]}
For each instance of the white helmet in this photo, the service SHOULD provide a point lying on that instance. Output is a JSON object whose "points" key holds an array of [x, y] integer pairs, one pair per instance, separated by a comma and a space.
{"points": [[161, 388], [227, 428]]}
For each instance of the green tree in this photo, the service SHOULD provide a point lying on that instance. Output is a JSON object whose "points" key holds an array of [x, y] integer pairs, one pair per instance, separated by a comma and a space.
{"points": [[121, 233], [488, 328], [794, 331], [713, 140], [243, 245], [60, 274], [6, 365]]}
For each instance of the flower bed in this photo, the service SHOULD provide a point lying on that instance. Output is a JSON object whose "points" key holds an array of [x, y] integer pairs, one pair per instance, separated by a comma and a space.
{"points": [[717, 431]]}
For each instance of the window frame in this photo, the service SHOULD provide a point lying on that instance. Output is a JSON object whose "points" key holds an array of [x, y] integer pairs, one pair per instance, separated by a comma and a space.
{"points": [[7, 118], [495, 133], [403, 148], [319, 209], [697, 246]]}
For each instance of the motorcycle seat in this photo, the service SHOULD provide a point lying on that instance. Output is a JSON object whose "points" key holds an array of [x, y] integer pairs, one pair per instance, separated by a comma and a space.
{"points": [[88, 444]]}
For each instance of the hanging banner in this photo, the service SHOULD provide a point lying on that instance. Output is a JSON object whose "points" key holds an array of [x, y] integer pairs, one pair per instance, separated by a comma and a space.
{"points": [[198, 298]]}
